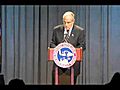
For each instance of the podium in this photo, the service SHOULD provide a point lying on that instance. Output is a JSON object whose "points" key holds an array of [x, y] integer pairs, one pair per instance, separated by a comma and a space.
{"points": [[79, 58]]}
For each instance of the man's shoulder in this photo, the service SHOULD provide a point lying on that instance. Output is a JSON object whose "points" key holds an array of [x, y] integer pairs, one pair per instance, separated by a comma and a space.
{"points": [[78, 27], [58, 26]]}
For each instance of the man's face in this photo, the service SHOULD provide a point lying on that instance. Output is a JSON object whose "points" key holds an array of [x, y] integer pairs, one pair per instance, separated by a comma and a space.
{"points": [[68, 21]]}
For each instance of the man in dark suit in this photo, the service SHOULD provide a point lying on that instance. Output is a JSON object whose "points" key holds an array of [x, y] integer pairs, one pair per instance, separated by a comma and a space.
{"points": [[76, 37]]}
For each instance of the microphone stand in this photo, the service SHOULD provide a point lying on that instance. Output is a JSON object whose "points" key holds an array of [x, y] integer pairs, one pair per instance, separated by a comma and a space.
{"points": [[66, 37]]}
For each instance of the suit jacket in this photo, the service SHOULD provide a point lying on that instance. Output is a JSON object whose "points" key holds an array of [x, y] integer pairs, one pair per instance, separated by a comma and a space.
{"points": [[77, 39]]}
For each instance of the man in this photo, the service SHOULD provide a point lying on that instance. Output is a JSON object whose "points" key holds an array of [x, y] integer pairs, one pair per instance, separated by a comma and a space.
{"points": [[76, 38]]}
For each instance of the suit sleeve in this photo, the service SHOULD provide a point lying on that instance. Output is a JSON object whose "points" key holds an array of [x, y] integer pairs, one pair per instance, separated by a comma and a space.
{"points": [[82, 40], [53, 41]]}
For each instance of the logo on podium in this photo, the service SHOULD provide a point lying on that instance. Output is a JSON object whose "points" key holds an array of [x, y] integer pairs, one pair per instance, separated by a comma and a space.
{"points": [[64, 55]]}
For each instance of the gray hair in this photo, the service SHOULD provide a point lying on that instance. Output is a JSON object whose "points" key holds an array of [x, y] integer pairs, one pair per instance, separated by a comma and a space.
{"points": [[69, 13]]}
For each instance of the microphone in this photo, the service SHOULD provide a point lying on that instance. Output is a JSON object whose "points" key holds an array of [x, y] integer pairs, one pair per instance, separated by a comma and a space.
{"points": [[67, 31], [66, 36]]}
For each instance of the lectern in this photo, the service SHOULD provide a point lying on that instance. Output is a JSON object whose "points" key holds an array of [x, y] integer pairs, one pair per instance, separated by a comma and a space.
{"points": [[79, 57]]}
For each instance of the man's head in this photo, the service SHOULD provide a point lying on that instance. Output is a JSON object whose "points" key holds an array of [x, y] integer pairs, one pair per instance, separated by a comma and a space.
{"points": [[68, 19]]}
